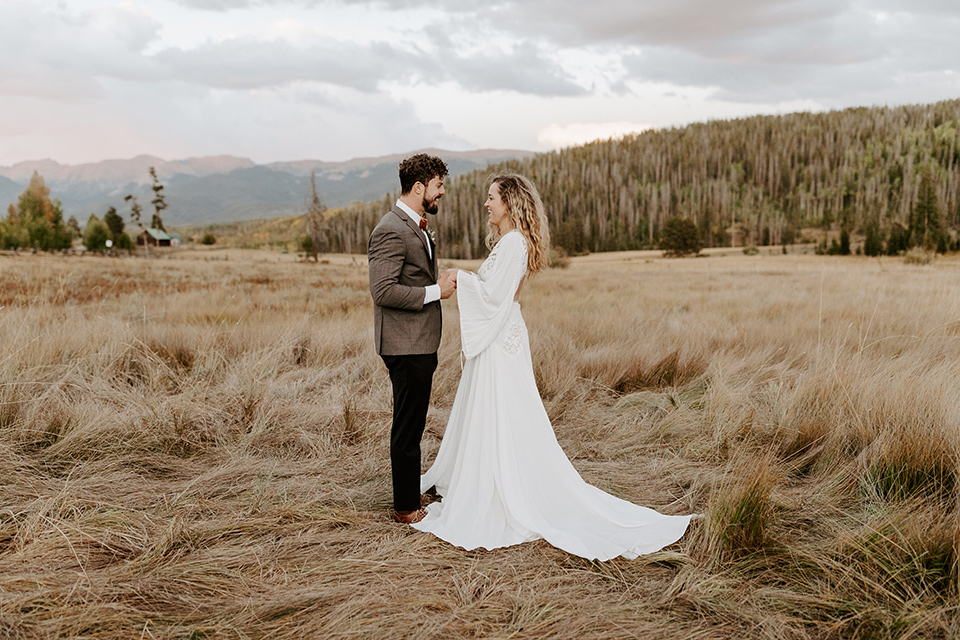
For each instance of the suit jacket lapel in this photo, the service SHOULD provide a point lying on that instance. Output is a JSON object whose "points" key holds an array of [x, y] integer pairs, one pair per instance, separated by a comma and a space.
{"points": [[416, 229]]}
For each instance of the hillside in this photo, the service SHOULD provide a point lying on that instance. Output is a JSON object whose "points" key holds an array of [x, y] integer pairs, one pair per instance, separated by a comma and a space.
{"points": [[9, 191], [222, 188], [747, 181]]}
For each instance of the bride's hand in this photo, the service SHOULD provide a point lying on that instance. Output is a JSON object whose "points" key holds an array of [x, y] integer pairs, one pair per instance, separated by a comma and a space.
{"points": [[452, 274]]}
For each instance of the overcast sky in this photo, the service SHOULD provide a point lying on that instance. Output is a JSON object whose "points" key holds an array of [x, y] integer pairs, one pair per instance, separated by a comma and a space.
{"points": [[273, 80]]}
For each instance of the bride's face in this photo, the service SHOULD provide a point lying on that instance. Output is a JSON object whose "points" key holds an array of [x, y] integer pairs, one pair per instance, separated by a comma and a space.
{"points": [[496, 208]]}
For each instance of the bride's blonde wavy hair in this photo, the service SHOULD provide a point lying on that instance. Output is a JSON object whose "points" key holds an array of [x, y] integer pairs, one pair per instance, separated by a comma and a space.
{"points": [[526, 211]]}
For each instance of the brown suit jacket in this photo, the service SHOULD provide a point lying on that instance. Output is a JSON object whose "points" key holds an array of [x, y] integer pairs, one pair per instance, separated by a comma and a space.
{"points": [[400, 270]]}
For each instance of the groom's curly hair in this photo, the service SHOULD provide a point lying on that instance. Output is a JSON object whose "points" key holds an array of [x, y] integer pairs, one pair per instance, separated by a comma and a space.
{"points": [[420, 168]]}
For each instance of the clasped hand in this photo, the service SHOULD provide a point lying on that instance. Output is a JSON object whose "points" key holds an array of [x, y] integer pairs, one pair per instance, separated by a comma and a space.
{"points": [[448, 283]]}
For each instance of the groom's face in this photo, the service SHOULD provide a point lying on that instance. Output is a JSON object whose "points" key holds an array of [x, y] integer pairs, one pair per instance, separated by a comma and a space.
{"points": [[432, 194]]}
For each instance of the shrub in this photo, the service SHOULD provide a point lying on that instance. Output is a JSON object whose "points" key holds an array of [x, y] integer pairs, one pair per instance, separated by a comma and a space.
{"points": [[123, 242], [305, 246], [96, 234], [208, 238], [918, 256], [558, 258], [679, 237]]}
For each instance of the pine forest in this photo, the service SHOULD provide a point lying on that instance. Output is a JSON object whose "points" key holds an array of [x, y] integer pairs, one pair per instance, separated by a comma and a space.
{"points": [[890, 171]]}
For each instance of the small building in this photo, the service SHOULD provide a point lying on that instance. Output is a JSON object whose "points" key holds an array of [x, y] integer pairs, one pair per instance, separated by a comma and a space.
{"points": [[154, 238]]}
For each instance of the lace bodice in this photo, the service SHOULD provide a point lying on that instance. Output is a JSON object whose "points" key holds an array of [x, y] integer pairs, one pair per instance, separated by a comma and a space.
{"points": [[520, 268]]}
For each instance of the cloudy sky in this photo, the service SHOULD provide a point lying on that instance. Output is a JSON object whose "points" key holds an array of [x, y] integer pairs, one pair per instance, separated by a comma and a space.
{"points": [[273, 80]]}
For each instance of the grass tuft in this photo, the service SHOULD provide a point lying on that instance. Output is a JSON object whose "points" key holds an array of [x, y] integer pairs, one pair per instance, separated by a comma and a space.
{"points": [[740, 516], [912, 462]]}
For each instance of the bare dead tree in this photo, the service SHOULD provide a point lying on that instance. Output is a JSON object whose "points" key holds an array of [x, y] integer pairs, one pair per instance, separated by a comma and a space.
{"points": [[316, 222]]}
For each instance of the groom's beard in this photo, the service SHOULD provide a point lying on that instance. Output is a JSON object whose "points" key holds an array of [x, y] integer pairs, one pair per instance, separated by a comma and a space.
{"points": [[431, 206]]}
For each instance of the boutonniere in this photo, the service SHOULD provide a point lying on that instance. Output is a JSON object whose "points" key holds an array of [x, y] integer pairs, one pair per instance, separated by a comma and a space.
{"points": [[432, 234]]}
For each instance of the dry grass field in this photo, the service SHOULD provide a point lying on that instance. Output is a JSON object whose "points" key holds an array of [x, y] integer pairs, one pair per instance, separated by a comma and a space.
{"points": [[197, 448]]}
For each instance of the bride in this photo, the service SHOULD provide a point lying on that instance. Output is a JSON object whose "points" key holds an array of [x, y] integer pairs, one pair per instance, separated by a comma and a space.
{"points": [[502, 475]]}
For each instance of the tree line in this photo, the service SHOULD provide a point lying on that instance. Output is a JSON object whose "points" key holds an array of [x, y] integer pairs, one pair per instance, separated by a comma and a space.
{"points": [[36, 221], [889, 173]]}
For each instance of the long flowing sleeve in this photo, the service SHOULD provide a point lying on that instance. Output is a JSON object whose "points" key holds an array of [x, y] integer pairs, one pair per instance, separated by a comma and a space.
{"points": [[485, 299]]}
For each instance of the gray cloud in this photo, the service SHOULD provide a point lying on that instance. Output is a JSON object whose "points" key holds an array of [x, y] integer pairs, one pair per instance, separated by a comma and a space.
{"points": [[103, 80], [249, 63], [735, 80], [573, 24], [524, 67], [836, 60], [68, 56], [245, 63], [523, 70], [691, 24], [770, 51], [219, 5], [59, 55], [927, 7]]}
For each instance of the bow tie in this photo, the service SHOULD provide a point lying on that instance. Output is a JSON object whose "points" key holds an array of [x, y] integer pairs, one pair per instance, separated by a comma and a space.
{"points": [[423, 223]]}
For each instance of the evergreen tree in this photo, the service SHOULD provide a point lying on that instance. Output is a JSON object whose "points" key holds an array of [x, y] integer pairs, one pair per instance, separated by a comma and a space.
{"points": [[114, 222], [123, 243], [844, 248], [872, 244], [898, 241], [159, 202], [96, 234], [569, 235], [306, 246], [680, 237], [12, 234], [925, 223], [74, 226], [41, 217], [943, 243]]}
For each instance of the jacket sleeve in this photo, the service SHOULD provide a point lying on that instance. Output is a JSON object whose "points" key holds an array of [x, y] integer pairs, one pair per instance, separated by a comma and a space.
{"points": [[386, 253], [485, 304]]}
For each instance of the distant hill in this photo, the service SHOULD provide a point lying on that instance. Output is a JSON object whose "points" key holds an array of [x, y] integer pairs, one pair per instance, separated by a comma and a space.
{"points": [[754, 180], [224, 188], [9, 192]]}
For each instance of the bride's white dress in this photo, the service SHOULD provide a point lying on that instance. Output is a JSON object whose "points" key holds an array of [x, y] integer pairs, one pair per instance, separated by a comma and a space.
{"points": [[501, 473]]}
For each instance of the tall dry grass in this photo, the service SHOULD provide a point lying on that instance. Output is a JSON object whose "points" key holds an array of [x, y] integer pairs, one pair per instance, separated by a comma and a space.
{"points": [[198, 449]]}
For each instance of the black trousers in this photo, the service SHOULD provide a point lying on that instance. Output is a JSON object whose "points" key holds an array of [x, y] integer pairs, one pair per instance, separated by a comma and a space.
{"points": [[412, 378]]}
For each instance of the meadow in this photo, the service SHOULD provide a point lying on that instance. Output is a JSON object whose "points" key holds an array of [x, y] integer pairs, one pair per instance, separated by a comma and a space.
{"points": [[197, 448]]}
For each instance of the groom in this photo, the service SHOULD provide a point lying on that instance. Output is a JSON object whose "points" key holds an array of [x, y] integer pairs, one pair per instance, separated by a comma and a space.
{"points": [[406, 318]]}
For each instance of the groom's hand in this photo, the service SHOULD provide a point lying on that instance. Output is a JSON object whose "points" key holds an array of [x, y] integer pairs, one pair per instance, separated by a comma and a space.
{"points": [[448, 283]]}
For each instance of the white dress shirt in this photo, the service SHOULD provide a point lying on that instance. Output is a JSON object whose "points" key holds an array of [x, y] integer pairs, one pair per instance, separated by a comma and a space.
{"points": [[432, 291]]}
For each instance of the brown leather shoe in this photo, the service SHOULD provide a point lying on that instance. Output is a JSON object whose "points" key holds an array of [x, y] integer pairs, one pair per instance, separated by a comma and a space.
{"points": [[410, 517]]}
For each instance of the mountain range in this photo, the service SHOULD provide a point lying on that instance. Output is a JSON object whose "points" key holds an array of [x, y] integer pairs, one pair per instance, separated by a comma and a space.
{"points": [[225, 188]]}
